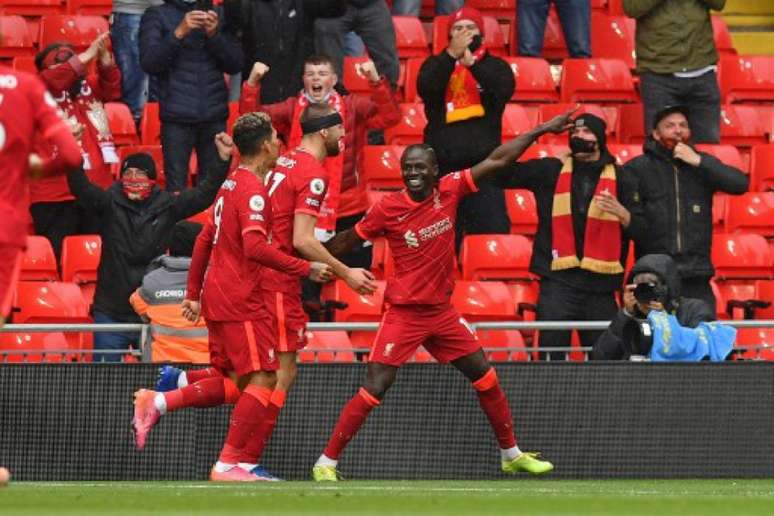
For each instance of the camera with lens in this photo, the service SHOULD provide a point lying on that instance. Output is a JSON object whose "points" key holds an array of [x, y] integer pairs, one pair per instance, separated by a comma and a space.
{"points": [[638, 333]]}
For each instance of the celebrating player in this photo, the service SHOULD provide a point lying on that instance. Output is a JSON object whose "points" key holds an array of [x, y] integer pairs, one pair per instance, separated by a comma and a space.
{"points": [[27, 111], [234, 250], [419, 225]]}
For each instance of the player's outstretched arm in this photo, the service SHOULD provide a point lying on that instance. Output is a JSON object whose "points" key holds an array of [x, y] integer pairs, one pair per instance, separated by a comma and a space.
{"points": [[359, 280], [509, 152], [343, 242]]}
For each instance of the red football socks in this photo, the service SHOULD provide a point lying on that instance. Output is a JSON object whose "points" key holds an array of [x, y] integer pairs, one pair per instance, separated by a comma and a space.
{"points": [[248, 414], [494, 404], [209, 392], [195, 375], [251, 454], [351, 419]]}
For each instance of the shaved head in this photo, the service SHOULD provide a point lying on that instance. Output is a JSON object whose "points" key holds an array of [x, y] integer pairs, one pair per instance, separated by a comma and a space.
{"points": [[420, 150]]}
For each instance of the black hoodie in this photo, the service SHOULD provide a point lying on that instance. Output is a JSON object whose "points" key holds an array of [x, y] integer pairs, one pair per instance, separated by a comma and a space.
{"points": [[617, 343]]}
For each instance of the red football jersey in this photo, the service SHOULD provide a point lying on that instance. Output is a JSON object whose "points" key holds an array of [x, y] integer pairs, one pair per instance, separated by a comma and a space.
{"points": [[26, 108], [296, 185], [421, 238], [231, 290]]}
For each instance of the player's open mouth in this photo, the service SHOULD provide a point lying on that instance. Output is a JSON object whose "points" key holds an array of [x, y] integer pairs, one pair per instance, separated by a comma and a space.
{"points": [[317, 89], [415, 181]]}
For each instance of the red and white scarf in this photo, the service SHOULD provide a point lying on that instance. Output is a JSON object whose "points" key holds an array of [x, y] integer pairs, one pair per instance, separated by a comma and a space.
{"points": [[463, 99]]}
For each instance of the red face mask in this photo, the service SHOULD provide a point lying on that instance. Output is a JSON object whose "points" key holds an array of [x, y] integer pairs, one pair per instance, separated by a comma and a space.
{"points": [[59, 56], [137, 189], [670, 143]]}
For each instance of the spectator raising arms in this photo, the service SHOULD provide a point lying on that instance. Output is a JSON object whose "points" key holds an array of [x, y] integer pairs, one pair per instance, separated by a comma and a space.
{"points": [[80, 100], [189, 50]]}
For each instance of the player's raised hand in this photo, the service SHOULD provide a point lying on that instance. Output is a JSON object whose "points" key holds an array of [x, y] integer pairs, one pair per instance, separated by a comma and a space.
{"points": [[320, 272], [256, 74], [225, 146], [361, 281], [561, 123], [191, 310]]}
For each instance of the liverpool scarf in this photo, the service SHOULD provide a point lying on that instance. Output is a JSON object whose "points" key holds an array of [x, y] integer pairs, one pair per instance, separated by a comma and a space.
{"points": [[333, 165], [463, 100], [602, 240]]}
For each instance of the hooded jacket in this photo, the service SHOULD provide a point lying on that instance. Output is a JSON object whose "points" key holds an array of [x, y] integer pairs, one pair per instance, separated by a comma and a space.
{"points": [[677, 202], [618, 341], [190, 70], [134, 233]]}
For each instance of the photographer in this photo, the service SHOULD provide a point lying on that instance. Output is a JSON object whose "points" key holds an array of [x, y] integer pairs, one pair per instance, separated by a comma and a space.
{"points": [[657, 322]]}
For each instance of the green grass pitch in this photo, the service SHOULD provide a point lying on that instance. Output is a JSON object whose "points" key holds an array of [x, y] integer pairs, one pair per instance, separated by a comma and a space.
{"points": [[524, 497]]}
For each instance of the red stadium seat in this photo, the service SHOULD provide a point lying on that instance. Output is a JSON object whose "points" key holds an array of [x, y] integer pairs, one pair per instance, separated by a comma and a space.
{"points": [[551, 150], [764, 290], [631, 124], [729, 295], [515, 121], [98, 7], [381, 167], [751, 212], [121, 123], [327, 346], [747, 79], [354, 81], [410, 37], [32, 7], [51, 344], [496, 257], [483, 301], [24, 64], [741, 256], [723, 42], [728, 154], [613, 37], [49, 302], [608, 113], [597, 80], [79, 31], [522, 211], [39, 262], [624, 153], [411, 127], [80, 261], [359, 308], [762, 168], [534, 82], [153, 150], [719, 201], [412, 75], [742, 126], [493, 35], [756, 343], [150, 124], [498, 339], [15, 38], [500, 9]]}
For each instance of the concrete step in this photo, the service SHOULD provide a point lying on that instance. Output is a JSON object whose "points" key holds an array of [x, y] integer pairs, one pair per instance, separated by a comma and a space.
{"points": [[753, 42], [749, 7]]}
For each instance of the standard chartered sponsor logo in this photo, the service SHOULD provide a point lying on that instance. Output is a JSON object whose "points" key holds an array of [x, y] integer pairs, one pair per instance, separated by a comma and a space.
{"points": [[432, 231]]}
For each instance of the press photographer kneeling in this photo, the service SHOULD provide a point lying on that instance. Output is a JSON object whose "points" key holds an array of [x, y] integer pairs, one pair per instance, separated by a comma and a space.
{"points": [[656, 322]]}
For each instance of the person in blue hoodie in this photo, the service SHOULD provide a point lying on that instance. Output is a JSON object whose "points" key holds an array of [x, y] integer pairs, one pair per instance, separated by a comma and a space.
{"points": [[657, 322]]}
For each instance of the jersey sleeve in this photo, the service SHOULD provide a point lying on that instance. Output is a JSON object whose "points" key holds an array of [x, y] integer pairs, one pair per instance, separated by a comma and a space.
{"points": [[310, 188], [50, 125], [253, 208], [461, 183], [373, 224]]}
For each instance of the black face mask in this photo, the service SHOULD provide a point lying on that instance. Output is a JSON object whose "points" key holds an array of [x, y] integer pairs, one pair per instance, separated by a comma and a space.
{"points": [[581, 146], [476, 43], [75, 89]]}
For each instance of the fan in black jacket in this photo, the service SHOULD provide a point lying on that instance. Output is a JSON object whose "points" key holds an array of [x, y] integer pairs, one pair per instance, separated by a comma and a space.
{"points": [[676, 184], [136, 219]]}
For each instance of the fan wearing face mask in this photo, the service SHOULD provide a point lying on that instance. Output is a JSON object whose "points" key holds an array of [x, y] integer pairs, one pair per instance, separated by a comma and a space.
{"points": [[676, 184]]}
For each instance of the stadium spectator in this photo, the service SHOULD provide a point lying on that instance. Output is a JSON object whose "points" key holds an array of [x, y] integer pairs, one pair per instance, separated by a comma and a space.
{"points": [[574, 15], [157, 301], [135, 220], [189, 50], [369, 19], [654, 286], [677, 61], [465, 89], [346, 199], [676, 184], [588, 209], [413, 7], [280, 34], [80, 100], [124, 34]]}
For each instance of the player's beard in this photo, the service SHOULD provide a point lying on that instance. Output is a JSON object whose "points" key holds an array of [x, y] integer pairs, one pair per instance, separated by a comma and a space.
{"points": [[333, 148]]}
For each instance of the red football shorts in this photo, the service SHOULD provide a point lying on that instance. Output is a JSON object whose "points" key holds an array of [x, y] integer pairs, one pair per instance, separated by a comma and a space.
{"points": [[291, 320], [440, 329], [10, 265], [242, 346]]}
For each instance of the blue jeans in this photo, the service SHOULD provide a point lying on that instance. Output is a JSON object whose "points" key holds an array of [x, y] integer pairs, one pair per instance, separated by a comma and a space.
{"points": [[134, 82], [575, 16], [177, 143], [111, 341], [413, 7]]}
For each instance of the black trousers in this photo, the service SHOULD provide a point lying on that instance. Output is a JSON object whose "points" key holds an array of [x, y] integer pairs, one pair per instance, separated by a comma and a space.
{"points": [[482, 213], [699, 288], [561, 302], [56, 220]]}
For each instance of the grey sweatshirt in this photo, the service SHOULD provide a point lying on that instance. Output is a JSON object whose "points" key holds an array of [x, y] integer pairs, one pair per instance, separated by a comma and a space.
{"points": [[133, 6]]}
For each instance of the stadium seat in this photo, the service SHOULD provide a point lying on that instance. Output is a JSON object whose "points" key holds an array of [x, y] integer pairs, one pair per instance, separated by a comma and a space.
{"points": [[755, 343], [522, 211], [742, 126], [410, 37], [79, 31], [752, 212], [24, 64], [551, 150], [153, 150], [498, 339], [764, 290], [97, 7], [495, 257], [747, 79], [411, 127], [515, 121], [500, 9], [741, 256], [32, 7], [624, 153], [121, 123], [762, 168], [597, 80], [354, 81], [493, 35], [411, 76], [723, 42], [39, 262], [631, 124], [534, 82], [327, 346], [719, 201], [381, 167], [728, 154], [483, 301], [15, 38], [80, 261], [49, 302], [53, 344], [730, 296], [548, 111], [358, 307], [150, 124], [613, 37]]}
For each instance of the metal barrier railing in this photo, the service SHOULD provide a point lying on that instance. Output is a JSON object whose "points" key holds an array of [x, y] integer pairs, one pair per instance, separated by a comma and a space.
{"points": [[144, 352]]}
